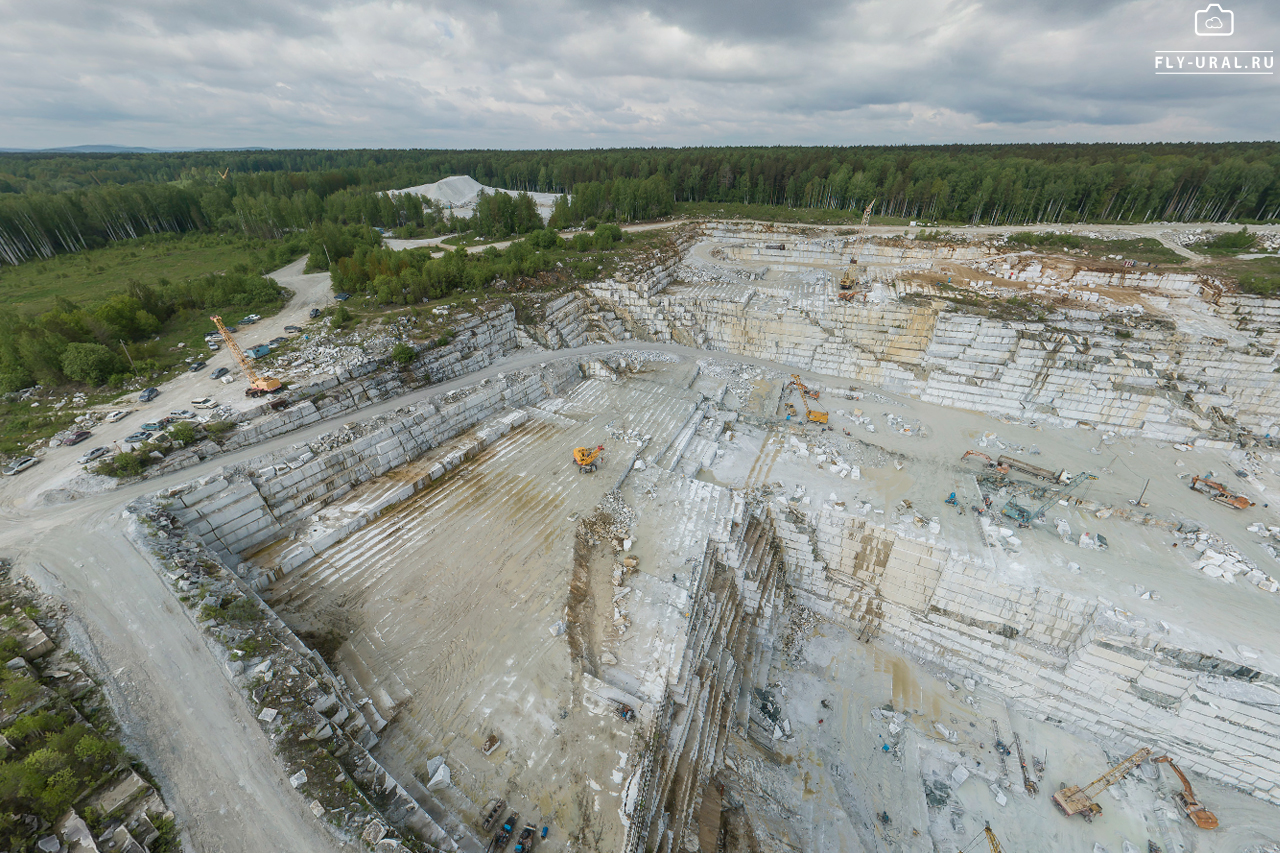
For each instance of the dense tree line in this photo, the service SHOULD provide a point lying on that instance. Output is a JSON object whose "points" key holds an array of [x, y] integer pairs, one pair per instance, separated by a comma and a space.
{"points": [[63, 202], [87, 344]]}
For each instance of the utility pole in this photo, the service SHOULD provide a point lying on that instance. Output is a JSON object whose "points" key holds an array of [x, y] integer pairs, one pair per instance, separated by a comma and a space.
{"points": [[1141, 496], [126, 352]]}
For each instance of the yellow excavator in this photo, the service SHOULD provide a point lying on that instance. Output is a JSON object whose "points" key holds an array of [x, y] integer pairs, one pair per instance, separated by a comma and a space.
{"points": [[1186, 798], [586, 457], [805, 393], [1075, 800], [258, 385]]}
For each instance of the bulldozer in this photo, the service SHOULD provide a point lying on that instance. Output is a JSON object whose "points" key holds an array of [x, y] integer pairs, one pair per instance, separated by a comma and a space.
{"points": [[1186, 798], [1074, 800], [586, 457]]}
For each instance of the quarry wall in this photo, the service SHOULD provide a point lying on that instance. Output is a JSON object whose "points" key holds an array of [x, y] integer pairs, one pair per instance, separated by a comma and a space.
{"points": [[1067, 659], [239, 510], [1176, 386]]}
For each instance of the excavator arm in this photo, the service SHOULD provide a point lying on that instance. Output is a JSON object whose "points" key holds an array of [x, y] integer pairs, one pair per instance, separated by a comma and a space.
{"points": [[1199, 815]]}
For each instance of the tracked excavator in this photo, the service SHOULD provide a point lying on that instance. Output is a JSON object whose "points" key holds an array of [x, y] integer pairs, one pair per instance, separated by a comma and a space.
{"points": [[585, 457], [1074, 800], [1186, 798]]}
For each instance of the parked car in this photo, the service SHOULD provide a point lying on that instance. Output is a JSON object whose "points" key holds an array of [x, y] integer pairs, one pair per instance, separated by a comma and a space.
{"points": [[197, 367], [117, 415], [141, 436], [184, 415], [148, 395], [277, 341], [221, 372], [205, 403], [213, 347], [151, 426], [248, 321], [293, 330], [90, 455], [17, 466], [76, 437], [315, 312], [342, 297], [253, 318], [232, 329]]}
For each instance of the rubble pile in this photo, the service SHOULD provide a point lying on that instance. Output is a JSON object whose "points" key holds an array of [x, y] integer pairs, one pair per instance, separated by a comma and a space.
{"points": [[1218, 559]]}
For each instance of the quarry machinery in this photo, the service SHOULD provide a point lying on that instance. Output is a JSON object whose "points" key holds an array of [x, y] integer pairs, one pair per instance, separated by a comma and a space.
{"points": [[1025, 516], [585, 457], [866, 214], [992, 841], [1218, 492], [978, 454], [1062, 476], [504, 834], [1075, 800], [258, 385], [1027, 781], [804, 390], [525, 843], [496, 808], [1186, 798], [814, 415]]}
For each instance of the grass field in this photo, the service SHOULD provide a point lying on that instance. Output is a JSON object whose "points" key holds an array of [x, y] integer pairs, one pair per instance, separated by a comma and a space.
{"points": [[1260, 276], [91, 276]]}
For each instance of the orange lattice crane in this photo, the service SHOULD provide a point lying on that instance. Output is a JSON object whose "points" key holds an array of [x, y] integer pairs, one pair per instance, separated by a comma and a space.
{"points": [[1076, 800], [258, 385]]}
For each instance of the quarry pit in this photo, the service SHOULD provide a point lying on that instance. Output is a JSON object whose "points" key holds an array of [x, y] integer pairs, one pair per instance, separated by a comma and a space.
{"points": [[822, 628]]}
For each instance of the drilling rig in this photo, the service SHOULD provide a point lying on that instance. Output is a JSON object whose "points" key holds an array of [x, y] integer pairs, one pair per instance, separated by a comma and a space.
{"points": [[258, 385]]}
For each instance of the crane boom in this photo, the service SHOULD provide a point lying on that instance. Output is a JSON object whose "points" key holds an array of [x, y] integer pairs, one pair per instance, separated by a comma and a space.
{"points": [[866, 214], [258, 385], [1076, 800], [991, 840]]}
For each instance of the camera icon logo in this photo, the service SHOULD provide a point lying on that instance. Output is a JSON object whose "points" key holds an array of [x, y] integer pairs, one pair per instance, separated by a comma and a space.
{"points": [[1213, 20]]}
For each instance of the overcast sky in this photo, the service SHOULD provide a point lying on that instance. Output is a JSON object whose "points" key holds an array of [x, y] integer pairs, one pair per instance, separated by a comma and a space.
{"points": [[606, 73]]}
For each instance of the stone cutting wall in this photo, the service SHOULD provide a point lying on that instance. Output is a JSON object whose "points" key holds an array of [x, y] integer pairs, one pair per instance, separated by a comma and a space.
{"points": [[238, 512], [1169, 386], [734, 601], [1063, 656]]}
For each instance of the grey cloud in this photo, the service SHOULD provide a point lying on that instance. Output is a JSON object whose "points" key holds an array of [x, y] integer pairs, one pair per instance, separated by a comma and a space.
{"points": [[571, 73]]}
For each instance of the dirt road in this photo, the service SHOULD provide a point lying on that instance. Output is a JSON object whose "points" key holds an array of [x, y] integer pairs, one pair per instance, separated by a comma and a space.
{"points": [[181, 715]]}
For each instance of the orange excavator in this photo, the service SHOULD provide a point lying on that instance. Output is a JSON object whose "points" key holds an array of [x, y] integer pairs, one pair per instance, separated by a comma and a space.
{"points": [[1186, 798], [978, 454], [1218, 492], [585, 457]]}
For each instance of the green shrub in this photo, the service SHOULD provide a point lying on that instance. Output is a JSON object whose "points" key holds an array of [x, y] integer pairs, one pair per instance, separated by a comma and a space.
{"points": [[402, 353], [183, 431]]}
